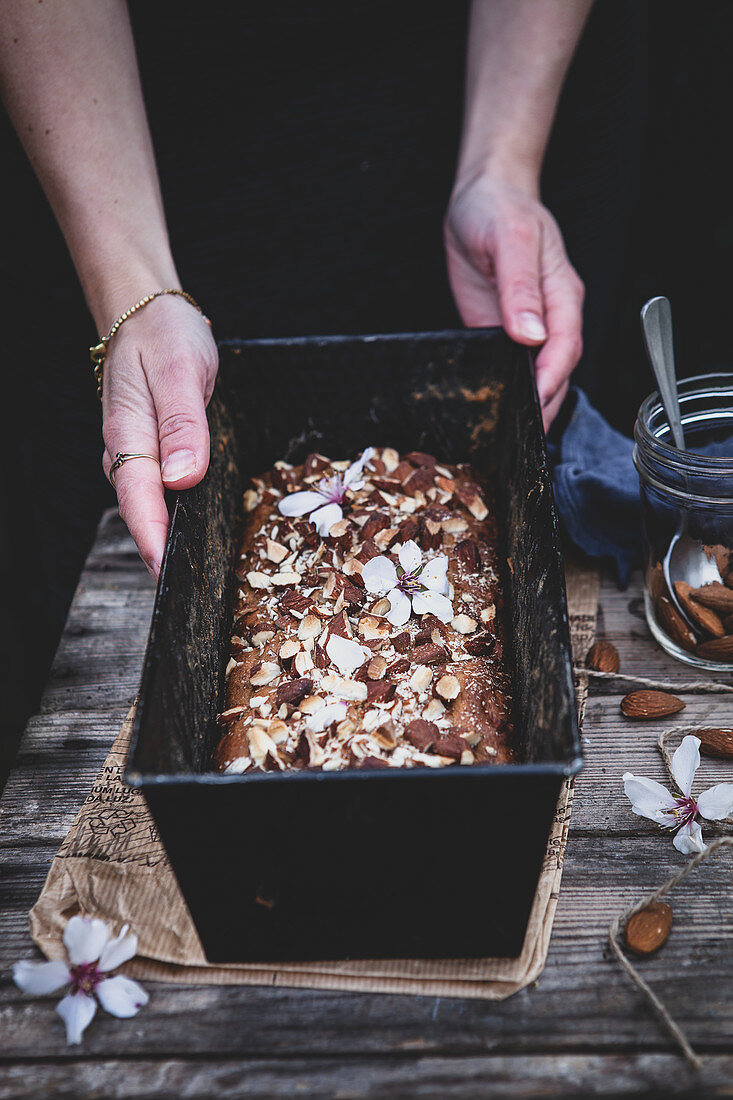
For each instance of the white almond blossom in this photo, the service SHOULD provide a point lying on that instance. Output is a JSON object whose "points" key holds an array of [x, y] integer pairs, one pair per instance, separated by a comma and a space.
{"points": [[678, 812], [92, 954], [323, 502], [413, 585], [346, 654]]}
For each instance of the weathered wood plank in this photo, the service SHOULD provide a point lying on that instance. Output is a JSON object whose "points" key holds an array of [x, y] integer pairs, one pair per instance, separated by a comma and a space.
{"points": [[387, 1078]]}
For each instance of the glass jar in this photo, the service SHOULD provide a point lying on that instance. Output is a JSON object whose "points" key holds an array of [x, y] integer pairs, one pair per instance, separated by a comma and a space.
{"points": [[687, 506]]}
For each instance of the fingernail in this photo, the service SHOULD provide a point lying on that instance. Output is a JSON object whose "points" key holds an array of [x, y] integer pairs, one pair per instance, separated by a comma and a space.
{"points": [[153, 568], [531, 326], [178, 465]]}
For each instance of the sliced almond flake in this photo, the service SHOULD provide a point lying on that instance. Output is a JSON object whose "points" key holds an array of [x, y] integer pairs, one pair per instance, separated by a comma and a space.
{"points": [[309, 626], [231, 712], [231, 665], [464, 624], [372, 719], [344, 689], [488, 614], [269, 671], [352, 566], [257, 700], [265, 710], [421, 677], [391, 459], [261, 745], [236, 767], [454, 526], [251, 500], [262, 637], [278, 731], [383, 538], [275, 551], [285, 578], [346, 729], [303, 662], [371, 627], [258, 580], [433, 710], [408, 505], [433, 761]]}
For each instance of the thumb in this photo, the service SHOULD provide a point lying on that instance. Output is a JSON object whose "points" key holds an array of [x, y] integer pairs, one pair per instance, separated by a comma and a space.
{"points": [[517, 263], [183, 430]]}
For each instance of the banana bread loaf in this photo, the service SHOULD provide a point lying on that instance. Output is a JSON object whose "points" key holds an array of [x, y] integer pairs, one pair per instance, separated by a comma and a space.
{"points": [[368, 626]]}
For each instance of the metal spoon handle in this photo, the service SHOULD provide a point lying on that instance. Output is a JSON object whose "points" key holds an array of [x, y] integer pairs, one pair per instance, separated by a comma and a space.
{"points": [[656, 327]]}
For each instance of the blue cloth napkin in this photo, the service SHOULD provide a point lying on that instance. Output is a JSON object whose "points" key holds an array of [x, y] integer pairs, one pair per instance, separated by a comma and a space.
{"points": [[596, 485]]}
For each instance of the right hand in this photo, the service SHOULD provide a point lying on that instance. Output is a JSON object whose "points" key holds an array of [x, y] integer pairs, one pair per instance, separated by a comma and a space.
{"points": [[159, 376], [508, 266]]}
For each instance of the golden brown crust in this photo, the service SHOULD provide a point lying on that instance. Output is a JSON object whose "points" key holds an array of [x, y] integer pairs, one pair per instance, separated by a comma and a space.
{"points": [[427, 693]]}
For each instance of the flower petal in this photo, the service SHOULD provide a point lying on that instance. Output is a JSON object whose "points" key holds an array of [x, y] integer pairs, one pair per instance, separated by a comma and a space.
{"points": [[648, 798], [346, 654], [121, 996], [325, 517], [38, 978], [84, 938], [297, 504], [685, 763], [332, 712], [118, 950], [356, 469], [689, 839], [434, 575], [410, 556], [717, 802], [400, 608], [434, 602], [77, 1011], [379, 575]]}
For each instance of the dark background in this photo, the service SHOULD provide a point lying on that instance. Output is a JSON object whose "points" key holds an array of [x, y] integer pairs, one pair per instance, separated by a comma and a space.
{"points": [[306, 157]]}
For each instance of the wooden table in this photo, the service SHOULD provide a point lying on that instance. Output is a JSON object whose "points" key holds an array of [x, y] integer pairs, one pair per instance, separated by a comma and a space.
{"points": [[582, 1029]]}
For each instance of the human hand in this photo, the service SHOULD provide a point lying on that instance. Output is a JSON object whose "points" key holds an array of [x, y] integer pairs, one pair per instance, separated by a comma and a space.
{"points": [[159, 375], [507, 266]]}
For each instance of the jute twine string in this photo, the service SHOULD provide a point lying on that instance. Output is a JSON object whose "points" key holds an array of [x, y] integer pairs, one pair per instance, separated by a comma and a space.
{"points": [[614, 932], [692, 687]]}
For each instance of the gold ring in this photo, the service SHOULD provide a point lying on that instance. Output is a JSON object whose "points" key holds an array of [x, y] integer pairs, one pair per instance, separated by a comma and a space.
{"points": [[121, 459]]}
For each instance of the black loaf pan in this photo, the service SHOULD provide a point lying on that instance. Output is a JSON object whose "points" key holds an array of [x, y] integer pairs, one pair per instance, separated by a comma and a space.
{"points": [[422, 863]]}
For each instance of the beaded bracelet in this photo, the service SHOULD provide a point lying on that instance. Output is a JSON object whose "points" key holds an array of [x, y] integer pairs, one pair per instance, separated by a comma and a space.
{"points": [[99, 351]]}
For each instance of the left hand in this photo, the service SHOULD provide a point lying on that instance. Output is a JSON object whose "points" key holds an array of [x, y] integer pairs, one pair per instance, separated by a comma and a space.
{"points": [[508, 266]]}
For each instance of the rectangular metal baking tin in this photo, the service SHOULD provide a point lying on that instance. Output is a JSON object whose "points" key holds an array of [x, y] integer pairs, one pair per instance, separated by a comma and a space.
{"points": [[423, 863]]}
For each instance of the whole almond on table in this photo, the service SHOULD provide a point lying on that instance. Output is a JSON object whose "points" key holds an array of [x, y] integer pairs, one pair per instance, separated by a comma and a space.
{"points": [[704, 617], [603, 657], [673, 624], [650, 704], [716, 595], [716, 742], [647, 930]]}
